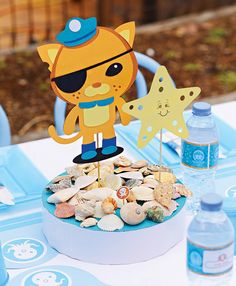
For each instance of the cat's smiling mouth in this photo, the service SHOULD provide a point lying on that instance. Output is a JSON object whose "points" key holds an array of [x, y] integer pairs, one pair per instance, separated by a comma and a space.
{"points": [[164, 114], [91, 91]]}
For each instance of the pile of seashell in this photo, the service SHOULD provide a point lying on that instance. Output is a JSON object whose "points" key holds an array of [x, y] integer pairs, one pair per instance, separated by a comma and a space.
{"points": [[152, 193]]}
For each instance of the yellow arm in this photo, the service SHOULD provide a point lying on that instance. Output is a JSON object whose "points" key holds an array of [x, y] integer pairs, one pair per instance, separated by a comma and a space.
{"points": [[69, 127], [124, 117], [70, 121]]}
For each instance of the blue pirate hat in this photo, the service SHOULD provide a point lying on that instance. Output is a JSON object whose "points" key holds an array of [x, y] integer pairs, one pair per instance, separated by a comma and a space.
{"points": [[77, 31]]}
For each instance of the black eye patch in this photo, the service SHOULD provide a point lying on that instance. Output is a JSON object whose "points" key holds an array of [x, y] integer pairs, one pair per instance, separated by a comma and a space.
{"points": [[74, 81], [71, 82]]}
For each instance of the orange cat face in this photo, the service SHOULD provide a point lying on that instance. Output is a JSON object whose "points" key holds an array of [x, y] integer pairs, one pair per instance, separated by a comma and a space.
{"points": [[103, 67]]}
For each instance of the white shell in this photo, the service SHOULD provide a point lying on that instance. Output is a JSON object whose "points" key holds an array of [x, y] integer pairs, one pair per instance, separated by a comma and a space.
{"points": [[89, 222], [98, 194], [151, 182], [75, 171], [74, 201], [99, 213], [85, 181], [131, 175], [105, 170], [110, 222], [84, 209], [59, 178], [62, 195], [143, 193], [132, 213], [63, 184], [112, 181]]}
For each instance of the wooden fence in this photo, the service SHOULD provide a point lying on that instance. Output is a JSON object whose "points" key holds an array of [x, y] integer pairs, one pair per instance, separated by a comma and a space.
{"points": [[24, 22]]}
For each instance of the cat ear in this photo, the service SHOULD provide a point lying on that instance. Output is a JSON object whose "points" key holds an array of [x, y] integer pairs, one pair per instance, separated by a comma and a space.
{"points": [[48, 53], [127, 31]]}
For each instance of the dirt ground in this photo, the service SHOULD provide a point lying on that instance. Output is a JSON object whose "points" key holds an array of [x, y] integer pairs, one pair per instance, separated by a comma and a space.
{"points": [[196, 55]]}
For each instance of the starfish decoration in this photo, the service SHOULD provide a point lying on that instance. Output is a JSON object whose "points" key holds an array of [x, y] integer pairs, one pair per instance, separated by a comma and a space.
{"points": [[161, 108]]}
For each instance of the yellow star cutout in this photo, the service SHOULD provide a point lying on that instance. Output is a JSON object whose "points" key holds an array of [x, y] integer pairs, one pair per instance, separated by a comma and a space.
{"points": [[162, 107]]}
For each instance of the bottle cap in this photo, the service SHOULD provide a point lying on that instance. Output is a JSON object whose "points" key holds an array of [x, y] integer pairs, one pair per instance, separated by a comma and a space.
{"points": [[201, 109], [211, 202]]}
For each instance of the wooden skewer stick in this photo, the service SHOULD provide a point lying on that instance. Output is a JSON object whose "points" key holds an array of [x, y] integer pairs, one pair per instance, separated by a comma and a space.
{"points": [[99, 171], [160, 156]]}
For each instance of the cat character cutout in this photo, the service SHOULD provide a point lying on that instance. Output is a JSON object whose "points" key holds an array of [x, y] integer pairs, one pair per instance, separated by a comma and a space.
{"points": [[91, 68]]}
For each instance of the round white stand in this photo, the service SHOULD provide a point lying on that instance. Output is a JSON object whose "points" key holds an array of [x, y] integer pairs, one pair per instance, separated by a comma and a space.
{"points": [[122, 247]]}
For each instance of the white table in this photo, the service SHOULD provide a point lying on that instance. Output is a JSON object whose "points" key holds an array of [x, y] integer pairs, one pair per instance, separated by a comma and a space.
{"points": [[168, 270]]}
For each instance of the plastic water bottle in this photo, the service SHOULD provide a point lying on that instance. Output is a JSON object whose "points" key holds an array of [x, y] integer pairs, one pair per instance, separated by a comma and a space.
{"points": [[199, 153], [210, 244]]}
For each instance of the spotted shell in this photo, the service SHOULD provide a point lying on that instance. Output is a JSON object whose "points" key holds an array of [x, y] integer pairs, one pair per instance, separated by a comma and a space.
{"points": [[63, 184], [163, 193], [109, 205], [110, 222], [64, 210], [165, 177], [132, 213], [143, 193]]}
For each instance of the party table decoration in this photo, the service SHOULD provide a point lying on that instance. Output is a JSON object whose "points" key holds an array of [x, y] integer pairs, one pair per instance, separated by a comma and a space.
{"points": [[161, 108], [91, 68], [100, 207]]}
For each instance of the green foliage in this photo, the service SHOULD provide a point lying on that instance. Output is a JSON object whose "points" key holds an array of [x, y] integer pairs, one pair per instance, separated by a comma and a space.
{"points": [[2, 64], [216, 35], [170, 55], [228, 79], [43, 86], [192, 67]]}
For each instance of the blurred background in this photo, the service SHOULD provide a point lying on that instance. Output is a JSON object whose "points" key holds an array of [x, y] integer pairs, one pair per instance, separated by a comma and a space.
{"points": [[195, 39]]}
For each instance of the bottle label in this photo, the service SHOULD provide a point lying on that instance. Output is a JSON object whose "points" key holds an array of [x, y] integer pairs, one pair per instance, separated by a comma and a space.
{"points": [[202, 156], [209, 261]]}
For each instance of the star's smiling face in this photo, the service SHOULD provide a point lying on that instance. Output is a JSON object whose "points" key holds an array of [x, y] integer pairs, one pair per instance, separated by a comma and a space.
{"points": [[163, 107]]}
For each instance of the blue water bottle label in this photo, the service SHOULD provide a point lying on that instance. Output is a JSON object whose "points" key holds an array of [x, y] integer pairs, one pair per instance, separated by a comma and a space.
{"points": [[209, 261], [200, 156]]}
